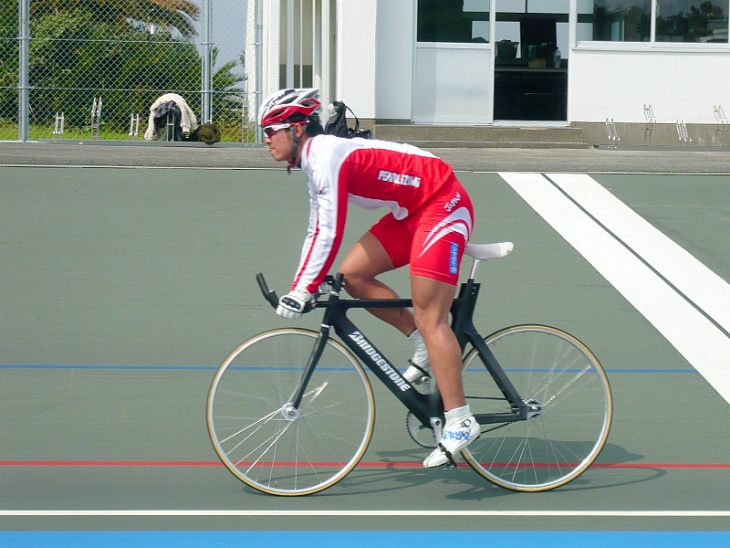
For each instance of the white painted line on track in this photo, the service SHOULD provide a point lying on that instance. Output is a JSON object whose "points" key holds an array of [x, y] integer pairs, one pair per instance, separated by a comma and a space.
{"points": [[700, 284], [656, 291], [367, 513]]}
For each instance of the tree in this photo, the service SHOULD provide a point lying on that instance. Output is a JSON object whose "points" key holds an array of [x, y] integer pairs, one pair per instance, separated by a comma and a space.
{"points": [[82, 49], [75, 57], [8, 61], [167, 14], [228, 96]]}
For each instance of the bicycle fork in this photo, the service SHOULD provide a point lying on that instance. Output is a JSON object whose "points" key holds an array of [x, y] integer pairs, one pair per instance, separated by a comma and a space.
{"points": [[291, 410]]}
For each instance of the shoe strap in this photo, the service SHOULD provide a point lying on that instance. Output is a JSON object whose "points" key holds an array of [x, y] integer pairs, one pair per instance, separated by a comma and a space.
{"points": [[448, 454], [421, 369]]}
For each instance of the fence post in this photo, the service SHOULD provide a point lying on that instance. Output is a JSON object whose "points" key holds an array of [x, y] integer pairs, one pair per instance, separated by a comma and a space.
{"points": [[258, 90], [207, 79], [23, 85]]}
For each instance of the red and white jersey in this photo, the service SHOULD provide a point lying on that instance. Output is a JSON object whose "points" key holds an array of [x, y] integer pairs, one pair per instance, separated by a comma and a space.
{"points": [[368, 173]]}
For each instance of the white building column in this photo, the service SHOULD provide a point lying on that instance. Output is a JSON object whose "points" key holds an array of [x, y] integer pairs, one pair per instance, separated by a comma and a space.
{"points": [[356, 55], [271, 47], [325, 57]]}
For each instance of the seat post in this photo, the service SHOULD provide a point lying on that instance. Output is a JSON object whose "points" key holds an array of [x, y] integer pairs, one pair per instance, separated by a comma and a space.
{"points": [[462, 311], [474, 265]]}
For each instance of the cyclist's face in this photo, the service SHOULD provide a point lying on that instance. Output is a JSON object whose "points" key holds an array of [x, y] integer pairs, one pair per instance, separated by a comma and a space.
{"points": [[280, 141]]}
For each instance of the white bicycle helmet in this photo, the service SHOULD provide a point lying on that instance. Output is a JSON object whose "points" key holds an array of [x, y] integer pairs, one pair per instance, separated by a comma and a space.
{"points": [[290, 105]]}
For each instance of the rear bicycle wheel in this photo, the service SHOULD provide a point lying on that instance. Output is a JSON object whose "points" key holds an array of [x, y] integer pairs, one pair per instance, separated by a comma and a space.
{"points": [[270, 445], [565, 383]]}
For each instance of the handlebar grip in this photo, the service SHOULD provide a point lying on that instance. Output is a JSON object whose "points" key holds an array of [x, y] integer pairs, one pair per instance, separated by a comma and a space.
{"points": [[269, 294]]}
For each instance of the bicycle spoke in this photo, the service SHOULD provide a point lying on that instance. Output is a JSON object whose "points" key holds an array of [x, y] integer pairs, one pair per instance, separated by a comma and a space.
{"points": [[557, 375], [289, 451]]}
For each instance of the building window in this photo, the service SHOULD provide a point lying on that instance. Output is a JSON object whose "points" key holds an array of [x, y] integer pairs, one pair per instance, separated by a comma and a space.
{"points": [[458, 21], [700, 21], [691, 21], [622, 20]]}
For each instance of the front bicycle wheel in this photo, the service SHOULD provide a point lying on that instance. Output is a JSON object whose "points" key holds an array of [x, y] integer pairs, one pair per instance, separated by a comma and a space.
{"points": [[567, 388], [263, 439]]}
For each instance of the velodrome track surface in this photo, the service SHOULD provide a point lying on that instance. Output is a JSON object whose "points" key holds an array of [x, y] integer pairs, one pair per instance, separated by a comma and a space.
{"points": [[125, 280]]}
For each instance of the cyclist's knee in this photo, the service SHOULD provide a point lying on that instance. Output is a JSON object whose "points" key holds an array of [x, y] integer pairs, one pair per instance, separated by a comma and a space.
{"points": [[356, 284], [429, 324]]}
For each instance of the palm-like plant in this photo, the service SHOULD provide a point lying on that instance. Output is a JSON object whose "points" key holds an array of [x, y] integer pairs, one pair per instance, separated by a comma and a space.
{"points": [[168, 14]]}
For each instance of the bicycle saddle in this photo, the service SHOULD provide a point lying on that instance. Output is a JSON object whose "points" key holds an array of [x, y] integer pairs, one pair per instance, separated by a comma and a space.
{"points": [[482, 252]]}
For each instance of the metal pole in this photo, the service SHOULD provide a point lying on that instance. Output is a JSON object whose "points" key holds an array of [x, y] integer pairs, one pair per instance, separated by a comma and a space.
{"points": [[316, 48], [259, 84], [23, 85], [301, 43], [324, 93], [290, 43], [207, 78]]}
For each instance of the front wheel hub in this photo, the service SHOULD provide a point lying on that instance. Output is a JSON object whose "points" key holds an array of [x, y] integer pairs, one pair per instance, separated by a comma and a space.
{"points": [[290, 413]]}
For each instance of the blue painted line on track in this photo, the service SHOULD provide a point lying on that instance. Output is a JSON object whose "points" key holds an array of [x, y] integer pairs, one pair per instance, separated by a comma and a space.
{"points": [[114, 367], [215, 367], [360, 539]]}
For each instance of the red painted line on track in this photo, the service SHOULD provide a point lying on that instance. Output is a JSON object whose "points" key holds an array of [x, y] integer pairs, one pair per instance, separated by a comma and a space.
{"points": [[82, 463], [668, 466], [202, 464]]}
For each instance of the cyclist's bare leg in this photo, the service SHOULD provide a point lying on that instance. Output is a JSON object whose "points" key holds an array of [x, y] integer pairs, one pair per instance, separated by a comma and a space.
{"points": [[366, 260], [432, 301]]}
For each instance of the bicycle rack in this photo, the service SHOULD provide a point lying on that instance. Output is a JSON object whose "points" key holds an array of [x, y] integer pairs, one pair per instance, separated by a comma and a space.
{"points": [[95, 118], [58, 126], [682, 133], [722, 124], [613, 138], [134, 126], [650, 125]]}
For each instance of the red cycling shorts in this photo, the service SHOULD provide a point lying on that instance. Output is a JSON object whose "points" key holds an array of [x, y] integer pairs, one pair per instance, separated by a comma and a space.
{"points": [[431, 239]]}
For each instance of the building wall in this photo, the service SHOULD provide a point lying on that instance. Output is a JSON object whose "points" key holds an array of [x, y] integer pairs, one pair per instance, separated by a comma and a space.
{"points": [[271, 46], [375, 69], [396, 37], [680, 85], [356, 55]]}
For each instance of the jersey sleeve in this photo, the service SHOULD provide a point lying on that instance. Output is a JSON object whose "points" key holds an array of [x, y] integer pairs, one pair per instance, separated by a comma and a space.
{"points": [[327, 215]]}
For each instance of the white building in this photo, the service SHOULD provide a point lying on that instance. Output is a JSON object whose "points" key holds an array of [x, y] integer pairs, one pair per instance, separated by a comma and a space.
{"points": [[491, 62]]}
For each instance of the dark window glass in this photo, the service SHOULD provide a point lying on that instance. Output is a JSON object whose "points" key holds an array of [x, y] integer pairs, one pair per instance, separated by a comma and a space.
{"points": [[691, 21], [622, 20], [676, 20], [453, 21]]}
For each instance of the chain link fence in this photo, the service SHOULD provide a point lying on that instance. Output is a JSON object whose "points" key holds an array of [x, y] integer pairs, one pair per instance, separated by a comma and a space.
{"points": [[91, 69]]}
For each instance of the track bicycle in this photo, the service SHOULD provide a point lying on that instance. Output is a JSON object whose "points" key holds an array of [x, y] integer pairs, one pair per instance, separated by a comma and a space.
{"points": [[291, 411]]}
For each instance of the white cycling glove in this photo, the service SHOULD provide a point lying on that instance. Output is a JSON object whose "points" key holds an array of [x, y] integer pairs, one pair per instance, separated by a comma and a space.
{"points": [[291, 306]]}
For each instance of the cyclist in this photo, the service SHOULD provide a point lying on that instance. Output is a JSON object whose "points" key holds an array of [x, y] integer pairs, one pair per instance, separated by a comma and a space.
{"points": [[428, 227]]}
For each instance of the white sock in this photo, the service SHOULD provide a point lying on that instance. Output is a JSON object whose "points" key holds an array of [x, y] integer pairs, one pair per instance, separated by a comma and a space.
{"points": [[420, 355], [457, 415]]}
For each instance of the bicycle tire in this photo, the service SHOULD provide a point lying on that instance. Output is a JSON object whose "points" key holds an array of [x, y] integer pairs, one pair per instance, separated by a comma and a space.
{"points": [[558, 372], [273, 448]]}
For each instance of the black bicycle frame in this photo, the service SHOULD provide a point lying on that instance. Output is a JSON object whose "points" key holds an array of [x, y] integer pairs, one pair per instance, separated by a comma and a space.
{"points": [[423, 406]]}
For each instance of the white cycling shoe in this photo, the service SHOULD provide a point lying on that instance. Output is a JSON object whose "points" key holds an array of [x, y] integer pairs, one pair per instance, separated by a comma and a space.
{"points": [[456, 436]]}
